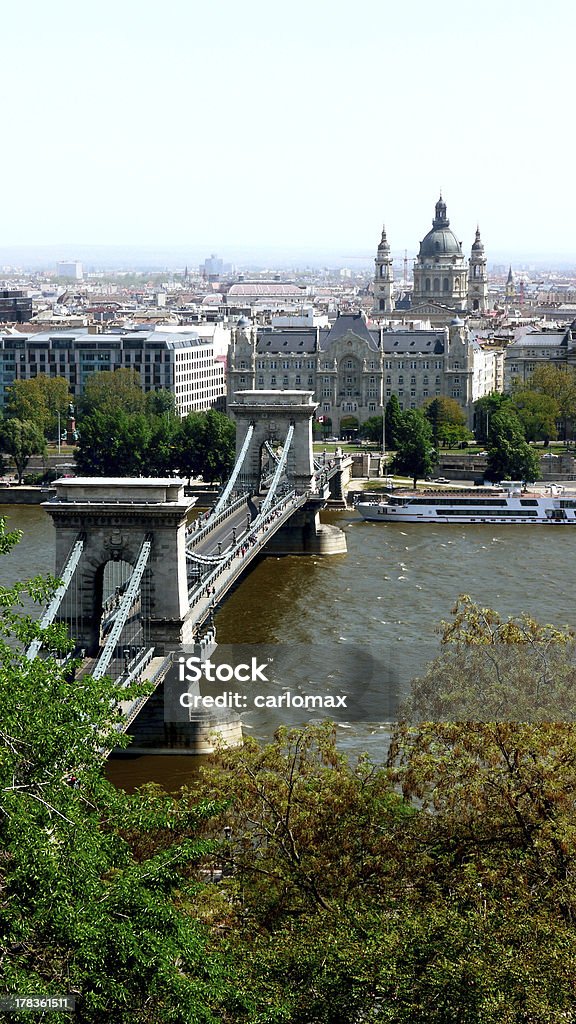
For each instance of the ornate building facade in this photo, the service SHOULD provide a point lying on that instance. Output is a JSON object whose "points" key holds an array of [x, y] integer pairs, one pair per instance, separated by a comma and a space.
{"points": [[353, 369]]}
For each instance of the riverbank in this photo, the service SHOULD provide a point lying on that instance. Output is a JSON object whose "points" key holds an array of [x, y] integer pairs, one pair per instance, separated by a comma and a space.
{"points": [[25, 494]]}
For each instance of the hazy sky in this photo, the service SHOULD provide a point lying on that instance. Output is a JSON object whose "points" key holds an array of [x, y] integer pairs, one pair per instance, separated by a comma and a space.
{"points": [[296, 126]]}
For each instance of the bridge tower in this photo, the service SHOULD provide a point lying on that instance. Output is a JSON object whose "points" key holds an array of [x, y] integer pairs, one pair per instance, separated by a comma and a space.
{"points": [[271, 413], [115, 517]]}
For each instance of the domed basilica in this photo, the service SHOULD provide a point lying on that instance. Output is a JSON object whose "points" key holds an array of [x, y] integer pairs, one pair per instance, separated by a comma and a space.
{"points": [[444, 281]]}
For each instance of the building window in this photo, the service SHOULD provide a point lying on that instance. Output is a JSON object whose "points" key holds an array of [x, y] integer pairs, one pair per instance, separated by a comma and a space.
{"points": [[427, 289], [371, 406], [388, 364], [446, 284], [400, 380], [412, 380]]}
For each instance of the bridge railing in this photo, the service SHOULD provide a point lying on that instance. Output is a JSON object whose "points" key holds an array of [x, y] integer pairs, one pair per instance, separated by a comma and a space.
{"points": [[209, 521], [253, 540]]}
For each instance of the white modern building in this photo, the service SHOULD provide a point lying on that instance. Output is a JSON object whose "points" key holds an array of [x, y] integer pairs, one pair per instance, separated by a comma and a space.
{"points": [[182, 362]]}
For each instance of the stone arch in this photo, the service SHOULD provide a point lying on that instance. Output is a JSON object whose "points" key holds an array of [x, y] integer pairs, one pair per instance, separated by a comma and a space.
{"points": [[271, 413]]}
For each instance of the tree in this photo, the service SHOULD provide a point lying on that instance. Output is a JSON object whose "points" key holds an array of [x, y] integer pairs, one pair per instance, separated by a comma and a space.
{"points": [[538, 413], [160, 403], [98, 887], [114, 444], [40, 400], [559, 384], [484, 409], [21, 439], [219, 446], [509, 455], [393, 418], [204, 445], [447, 420], [415, 455], [111, 391], [371, 429]]}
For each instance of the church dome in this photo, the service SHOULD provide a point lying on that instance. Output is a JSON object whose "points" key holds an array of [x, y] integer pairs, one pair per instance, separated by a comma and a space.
{"points": [[440, 241]]}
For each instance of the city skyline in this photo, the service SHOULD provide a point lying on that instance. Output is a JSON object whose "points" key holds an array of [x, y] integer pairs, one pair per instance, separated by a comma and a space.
{"points": [[286, 131]]}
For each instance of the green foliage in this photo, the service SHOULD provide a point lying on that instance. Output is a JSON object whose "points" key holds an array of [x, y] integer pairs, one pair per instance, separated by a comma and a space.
{"points": [[204, 445], [39, 400], [97, 887], [372, 429], [509, 455], [559, 384], [538, 413], [21, 439], [484, 409], [114, 444], [153, 441], [448, 422], [491, 669], [415, 455], [393, 418], [111, 391]]}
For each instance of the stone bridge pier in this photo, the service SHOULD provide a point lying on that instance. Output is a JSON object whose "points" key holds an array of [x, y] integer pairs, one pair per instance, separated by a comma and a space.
{"points": [[116, 516], [271, 413]]}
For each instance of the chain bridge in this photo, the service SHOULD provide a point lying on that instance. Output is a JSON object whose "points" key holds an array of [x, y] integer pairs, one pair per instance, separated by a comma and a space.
{"points": [[140, 576]]}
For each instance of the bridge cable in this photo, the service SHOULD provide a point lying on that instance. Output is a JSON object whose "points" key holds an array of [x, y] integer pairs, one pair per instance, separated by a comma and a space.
{"points": [[279, 471], [123, 609], [52, 609], [238, 466]]}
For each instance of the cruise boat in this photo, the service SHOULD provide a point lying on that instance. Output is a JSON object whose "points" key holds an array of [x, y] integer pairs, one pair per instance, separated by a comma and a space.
{"points": [[508, 502]]}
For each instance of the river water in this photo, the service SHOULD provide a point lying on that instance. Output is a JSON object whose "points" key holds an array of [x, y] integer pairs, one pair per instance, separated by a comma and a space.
{"points": [[386, 596]]}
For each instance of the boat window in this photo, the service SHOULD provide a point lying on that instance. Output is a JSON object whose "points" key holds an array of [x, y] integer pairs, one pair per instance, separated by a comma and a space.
{"points": [[528, 501]]}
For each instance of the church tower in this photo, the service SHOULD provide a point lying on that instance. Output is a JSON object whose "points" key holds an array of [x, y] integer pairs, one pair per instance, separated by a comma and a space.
{"points": [[510, 290], [383, 279], [477, 277]]}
